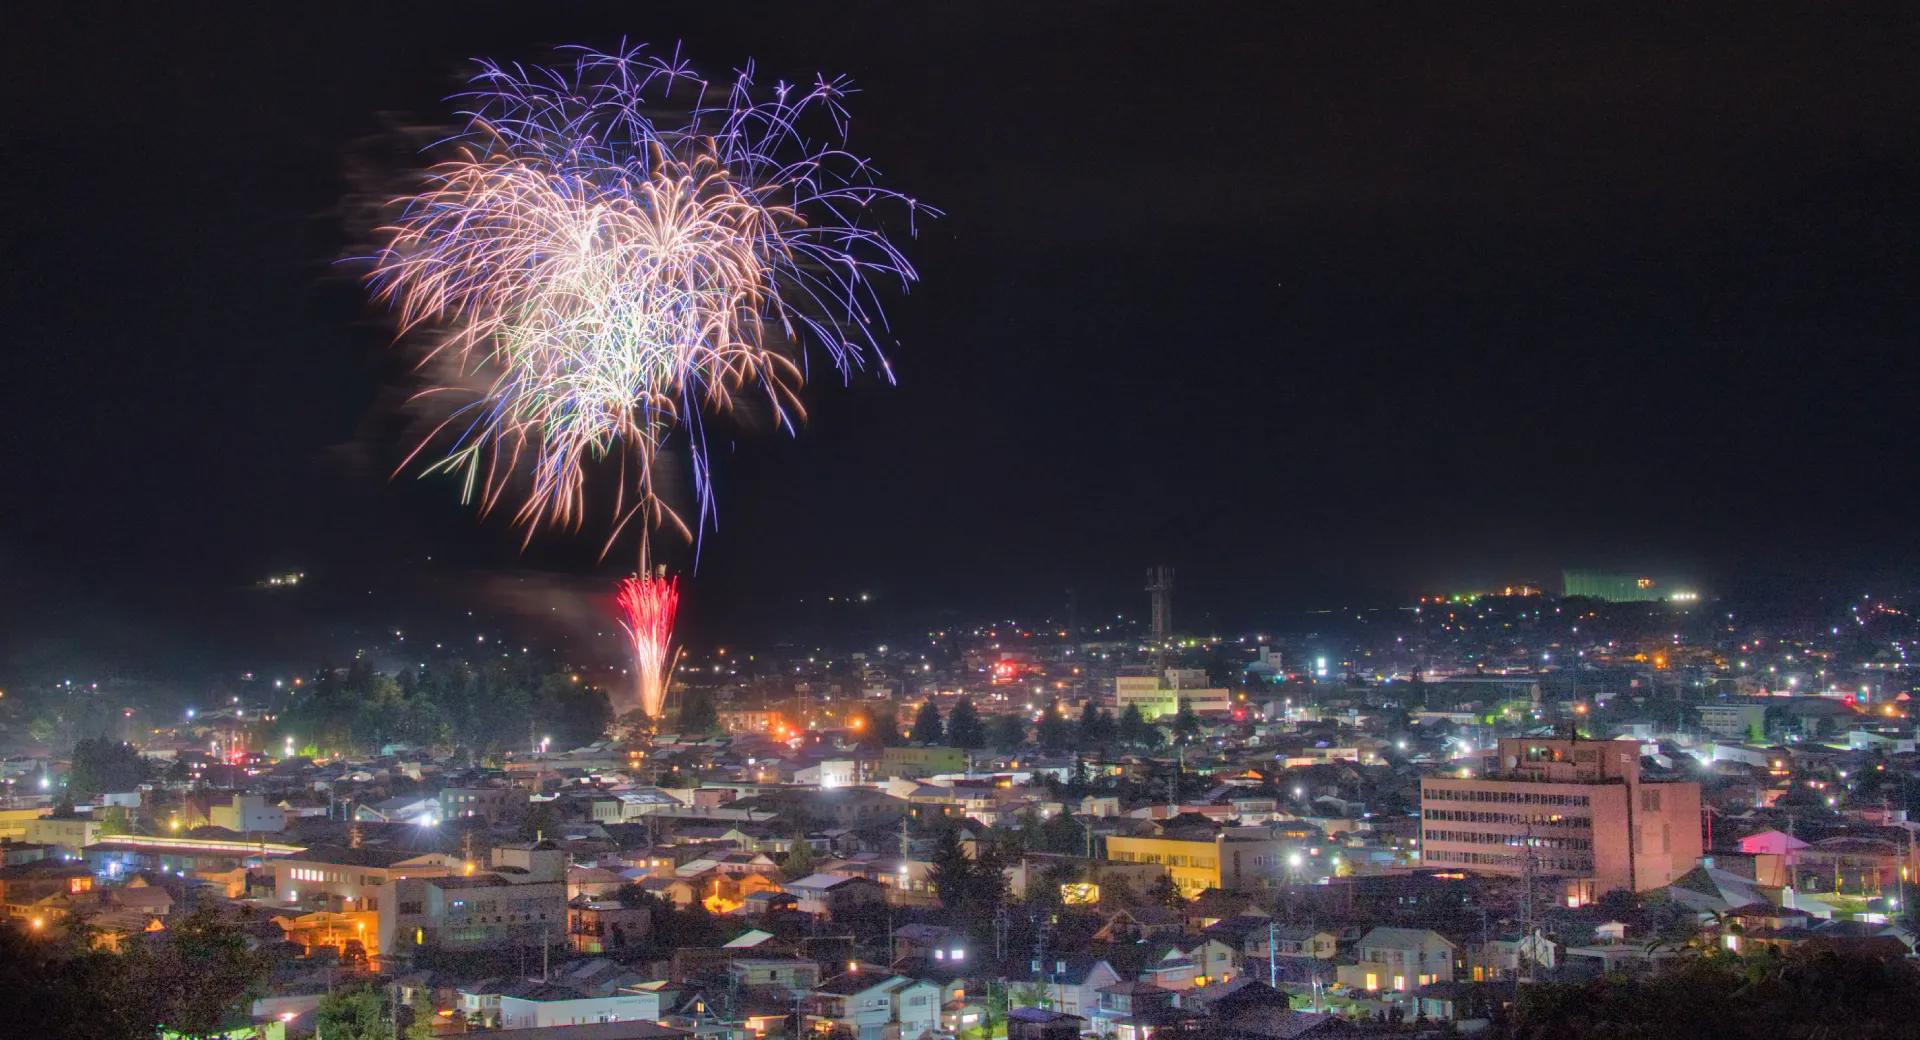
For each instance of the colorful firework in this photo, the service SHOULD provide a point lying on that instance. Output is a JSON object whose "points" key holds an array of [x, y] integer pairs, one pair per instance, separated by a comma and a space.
{"points": [[647, 605], [608, 272]]}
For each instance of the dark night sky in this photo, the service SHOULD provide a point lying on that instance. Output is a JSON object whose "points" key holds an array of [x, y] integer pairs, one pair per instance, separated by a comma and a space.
{"points": [[1313, 301]]}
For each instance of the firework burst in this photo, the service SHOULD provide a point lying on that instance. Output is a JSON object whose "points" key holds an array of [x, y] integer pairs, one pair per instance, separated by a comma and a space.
{"points": [[647, 605], [609, 272]]}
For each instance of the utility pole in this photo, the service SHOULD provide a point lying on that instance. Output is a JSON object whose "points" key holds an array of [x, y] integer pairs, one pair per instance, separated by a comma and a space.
{"points": [[1273, 953], [1526, 942]]}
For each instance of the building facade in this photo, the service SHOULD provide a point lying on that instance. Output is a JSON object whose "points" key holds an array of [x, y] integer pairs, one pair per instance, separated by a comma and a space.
{"points": [[1567, 809], [1228, 864]]}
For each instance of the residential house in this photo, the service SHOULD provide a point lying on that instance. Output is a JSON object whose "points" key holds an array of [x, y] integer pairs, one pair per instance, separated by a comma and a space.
{"points": [[867, 1003], [1169, 968], [826, 895], [1214, 960], [933, 942], [1398, 960], [1507, 957], [1071, 983], [605, 926], [1136, 1011], [795, 974], [678, 891], [1140, 922]]}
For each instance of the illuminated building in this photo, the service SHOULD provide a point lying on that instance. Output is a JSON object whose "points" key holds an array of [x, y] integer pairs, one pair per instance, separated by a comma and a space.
{"points": [[1228, 864], [1157, 696], [1611, 587], [1566, 809], [914, 762]]}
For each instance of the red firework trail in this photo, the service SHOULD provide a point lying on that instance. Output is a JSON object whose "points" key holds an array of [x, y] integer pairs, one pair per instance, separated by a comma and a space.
{"points": [[647, 605]]}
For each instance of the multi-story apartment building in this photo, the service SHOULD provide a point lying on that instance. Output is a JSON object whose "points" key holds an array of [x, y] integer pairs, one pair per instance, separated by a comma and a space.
{"points": [[1158, 696], [341, 879], [520, 900], [1225, 863], [1572, 810], [494, 804]]}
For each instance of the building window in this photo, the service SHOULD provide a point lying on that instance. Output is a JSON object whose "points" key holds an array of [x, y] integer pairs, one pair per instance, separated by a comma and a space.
{"points": [[1373, 981]]}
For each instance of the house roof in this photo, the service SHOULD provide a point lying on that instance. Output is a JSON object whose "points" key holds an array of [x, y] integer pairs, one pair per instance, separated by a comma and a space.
{"points": [[365, 856], [827, 882], [750, 938], [848, 983], [1402, 938]]}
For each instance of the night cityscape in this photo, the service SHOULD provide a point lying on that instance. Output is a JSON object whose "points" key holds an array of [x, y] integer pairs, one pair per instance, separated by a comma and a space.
{"points": [[1040, 521]]}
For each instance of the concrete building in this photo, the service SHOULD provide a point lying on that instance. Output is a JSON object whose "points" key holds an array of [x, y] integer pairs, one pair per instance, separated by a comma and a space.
{"points": [[554, 1005], [67, 835], [494, 804], [348, 879], [1735, 720], [1567, 809], [1162, 695], [249, 813], [914, 762], [478, 912], [1228, 864]]}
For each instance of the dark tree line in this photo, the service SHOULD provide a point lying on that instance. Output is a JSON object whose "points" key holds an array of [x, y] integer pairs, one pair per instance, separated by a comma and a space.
{"points": [[195, 980], [484, 706], [1095, 728], [1764, 997]]}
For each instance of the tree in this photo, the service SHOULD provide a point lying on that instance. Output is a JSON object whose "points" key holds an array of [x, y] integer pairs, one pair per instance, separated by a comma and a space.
{"points": [[1009, 731], [879, 728], [1028, 994], [800, 860], [964, 729], [1133, 727], [1115, 891], [1053, 731], [926, 725], [572, 713], [203, 972], [1763, 997], [1186, 725], [698, 715], [114, 820], [1163, 892], [354, 1013], [101, 766], [1153, 737], [1096, 727], [952, 872], [539, 823]]}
